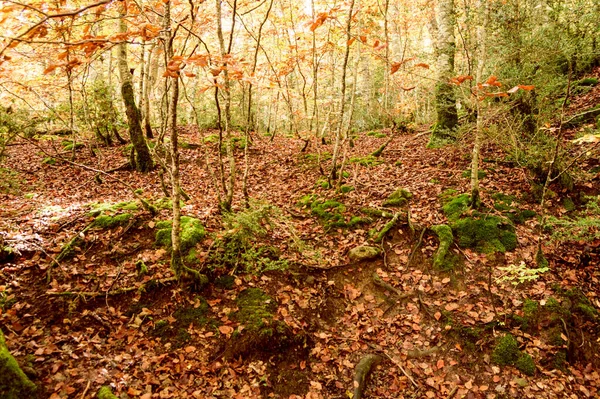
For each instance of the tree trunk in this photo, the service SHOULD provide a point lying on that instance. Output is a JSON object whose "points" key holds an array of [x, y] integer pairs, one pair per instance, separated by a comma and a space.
{"points": [[482, 10], [447, 115], [340, 129], [142, 158]]}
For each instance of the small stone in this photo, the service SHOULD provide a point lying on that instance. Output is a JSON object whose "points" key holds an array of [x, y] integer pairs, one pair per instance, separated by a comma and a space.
{"points": [[364, 252]]}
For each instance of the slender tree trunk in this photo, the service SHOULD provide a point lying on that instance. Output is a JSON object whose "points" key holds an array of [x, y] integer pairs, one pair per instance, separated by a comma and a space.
{"points": [[482, 10], [176, 261], [447, 115], [142, 158], [340, 129], [227, 181]]}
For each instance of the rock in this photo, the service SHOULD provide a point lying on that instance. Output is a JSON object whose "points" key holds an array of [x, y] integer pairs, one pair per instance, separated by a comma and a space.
{"points": [[364, 252]]}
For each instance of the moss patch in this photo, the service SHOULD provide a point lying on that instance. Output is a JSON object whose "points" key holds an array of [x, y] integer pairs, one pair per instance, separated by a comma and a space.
{"points": [[14, 384], [99, 208], [486, 234], [398, 198], [507, 353], [192, 232], [109, 222], [367, 161], [106, 393], [255, 310], [176, 332]]}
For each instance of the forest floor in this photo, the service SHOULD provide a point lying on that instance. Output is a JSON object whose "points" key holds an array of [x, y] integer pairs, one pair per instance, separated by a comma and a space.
{"points": [[296, 322]]}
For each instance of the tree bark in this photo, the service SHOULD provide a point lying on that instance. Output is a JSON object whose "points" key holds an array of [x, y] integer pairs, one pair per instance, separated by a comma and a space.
{"points": [[142, 158], [447, 115]]}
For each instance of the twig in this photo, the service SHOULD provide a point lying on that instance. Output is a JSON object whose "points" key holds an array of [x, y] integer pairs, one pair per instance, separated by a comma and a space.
{"points": [[85, 390], [417, 245], [112, 284], [452, 392], [397, 363]]}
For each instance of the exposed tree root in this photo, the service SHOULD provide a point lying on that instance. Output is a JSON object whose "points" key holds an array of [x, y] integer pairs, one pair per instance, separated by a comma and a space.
{"points": [[362, 371], [94, 294], [380, 283]]}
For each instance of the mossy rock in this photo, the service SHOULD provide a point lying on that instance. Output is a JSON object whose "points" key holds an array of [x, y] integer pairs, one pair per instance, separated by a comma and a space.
{"points": [[486, 233], [398, 198], [192, 232], [364, 252], [442, 260], [109, 222], [14, 384]]}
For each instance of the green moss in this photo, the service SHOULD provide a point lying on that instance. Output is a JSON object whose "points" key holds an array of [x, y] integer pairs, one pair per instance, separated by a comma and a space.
{"points": [[141, 268], [587, 310], [14, 384], [109, 222], [165, 203], [587, 82], [193, 315], [68, 145], [367, 161], [441, 260], [106, 393], [378, 135], [323, 183], [486, 234], [357, 220], [192, 257], [455, 207], [345, 189], [107, 207], [526, 364], [255, 309], [211, 138], [560, 360], [398, 163], [568, 204], [49, 161], [314, 157], [506, 351], [226, 281], [192, 232], [398, 198]]}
